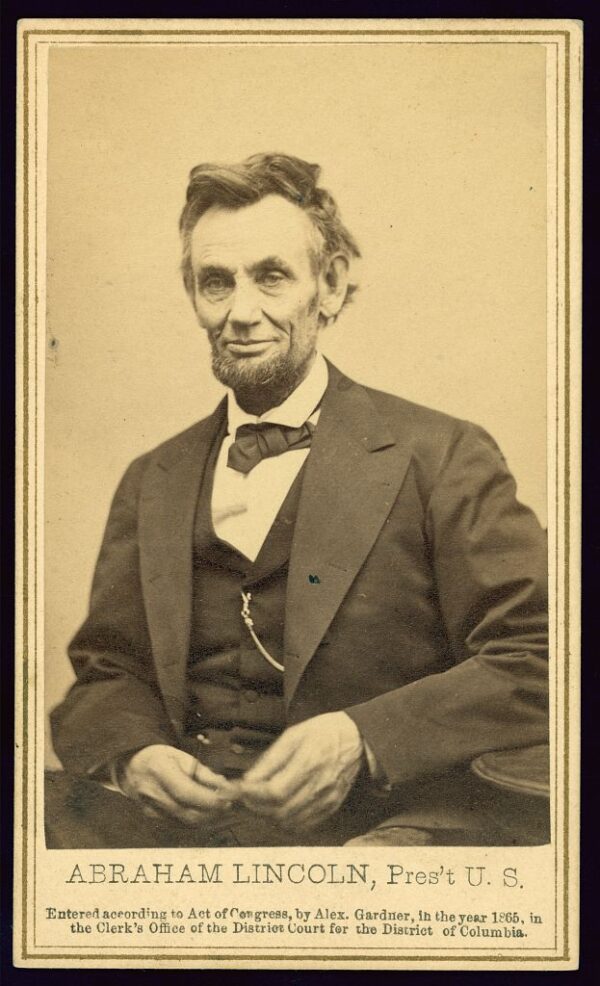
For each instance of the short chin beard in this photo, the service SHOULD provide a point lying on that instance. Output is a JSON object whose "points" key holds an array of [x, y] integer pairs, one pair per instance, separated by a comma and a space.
{"points": [[265, 385]]}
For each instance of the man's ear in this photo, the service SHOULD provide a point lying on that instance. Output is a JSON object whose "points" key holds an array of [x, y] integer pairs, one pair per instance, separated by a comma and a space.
{"points": [[333, 283]]}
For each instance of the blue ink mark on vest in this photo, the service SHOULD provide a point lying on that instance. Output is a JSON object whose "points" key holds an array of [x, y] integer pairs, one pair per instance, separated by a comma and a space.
{"points": [[314, 579]]}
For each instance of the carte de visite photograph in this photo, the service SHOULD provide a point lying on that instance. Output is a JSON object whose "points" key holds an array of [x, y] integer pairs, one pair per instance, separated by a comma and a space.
{"points": [[297, 448]]}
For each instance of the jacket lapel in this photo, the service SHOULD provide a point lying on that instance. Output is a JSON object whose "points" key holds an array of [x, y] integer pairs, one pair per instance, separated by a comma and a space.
{"points": [[166, 521], [353, 475]]}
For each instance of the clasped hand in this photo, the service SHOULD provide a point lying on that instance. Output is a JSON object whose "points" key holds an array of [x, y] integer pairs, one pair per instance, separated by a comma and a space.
{"points": [[300, 781]]}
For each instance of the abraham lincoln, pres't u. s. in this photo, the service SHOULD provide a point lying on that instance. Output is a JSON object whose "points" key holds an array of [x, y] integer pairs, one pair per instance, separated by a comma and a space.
{"points": [[313, 610]]}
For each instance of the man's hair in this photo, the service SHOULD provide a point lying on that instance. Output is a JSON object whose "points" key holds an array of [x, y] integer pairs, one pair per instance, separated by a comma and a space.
{"points": [[233, 186]]}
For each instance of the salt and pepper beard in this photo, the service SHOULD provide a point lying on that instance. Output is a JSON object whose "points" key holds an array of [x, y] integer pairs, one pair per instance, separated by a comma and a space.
{"points": [[268, 383]]}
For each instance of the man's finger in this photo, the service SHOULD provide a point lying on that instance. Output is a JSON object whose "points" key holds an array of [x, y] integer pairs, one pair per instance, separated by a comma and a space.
{"points": [[207, 777], [160, 805], [195, 793], [306, 810], [150, 812], [280, 788], [156, 803], [272, 760], [305, 798]]}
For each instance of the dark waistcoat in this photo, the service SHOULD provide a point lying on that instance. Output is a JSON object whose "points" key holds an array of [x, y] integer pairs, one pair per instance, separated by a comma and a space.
{"points": [[236, 704]]}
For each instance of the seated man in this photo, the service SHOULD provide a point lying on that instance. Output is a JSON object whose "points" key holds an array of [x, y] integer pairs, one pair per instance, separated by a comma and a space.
{"points": [[313, 609]]}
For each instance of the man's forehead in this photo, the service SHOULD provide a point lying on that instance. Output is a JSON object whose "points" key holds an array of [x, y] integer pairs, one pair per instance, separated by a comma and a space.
{"points": [[271, 226]]}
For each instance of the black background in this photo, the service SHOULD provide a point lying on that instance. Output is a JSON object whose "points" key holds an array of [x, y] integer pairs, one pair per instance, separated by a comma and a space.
{"points": [[590, 874]]}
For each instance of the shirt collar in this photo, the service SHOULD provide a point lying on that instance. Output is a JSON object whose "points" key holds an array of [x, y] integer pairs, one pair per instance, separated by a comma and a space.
{"points": [[295, 409]]}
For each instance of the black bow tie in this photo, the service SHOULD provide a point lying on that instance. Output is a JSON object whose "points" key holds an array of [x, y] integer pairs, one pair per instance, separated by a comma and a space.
{"points": [[255, 442]]}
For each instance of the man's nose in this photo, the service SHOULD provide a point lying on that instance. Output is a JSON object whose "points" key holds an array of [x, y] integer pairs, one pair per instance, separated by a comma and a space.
{"points": [[245, 307]]}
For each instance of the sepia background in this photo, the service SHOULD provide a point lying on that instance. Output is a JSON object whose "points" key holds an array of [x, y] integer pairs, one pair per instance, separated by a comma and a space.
{"points": [[436, 155]]}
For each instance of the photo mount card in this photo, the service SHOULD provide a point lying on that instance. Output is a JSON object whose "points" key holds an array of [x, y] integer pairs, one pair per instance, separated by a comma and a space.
{"points": [[449, 313]]}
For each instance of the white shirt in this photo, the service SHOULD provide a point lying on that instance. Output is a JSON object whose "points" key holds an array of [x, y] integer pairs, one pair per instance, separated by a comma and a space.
{"points": [[244, 505]]}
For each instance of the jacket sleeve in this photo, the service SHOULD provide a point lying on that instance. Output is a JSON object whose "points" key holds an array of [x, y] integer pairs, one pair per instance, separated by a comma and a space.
{"points": [[114, 707], [489, 559]]}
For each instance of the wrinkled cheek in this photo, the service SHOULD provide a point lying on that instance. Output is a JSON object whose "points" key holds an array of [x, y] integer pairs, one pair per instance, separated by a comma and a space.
{"points": [[213, 324], [284, 323]]}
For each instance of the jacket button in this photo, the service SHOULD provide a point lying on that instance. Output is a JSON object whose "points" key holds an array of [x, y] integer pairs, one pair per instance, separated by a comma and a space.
{"points": [[250, 695], [237, 748]]}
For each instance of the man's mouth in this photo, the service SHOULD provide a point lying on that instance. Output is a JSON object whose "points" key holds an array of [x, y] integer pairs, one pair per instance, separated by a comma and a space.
{"points": [[253, 347]]}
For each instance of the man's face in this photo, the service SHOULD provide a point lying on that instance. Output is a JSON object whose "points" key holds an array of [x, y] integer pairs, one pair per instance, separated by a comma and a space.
{"points": [[256, 293]]}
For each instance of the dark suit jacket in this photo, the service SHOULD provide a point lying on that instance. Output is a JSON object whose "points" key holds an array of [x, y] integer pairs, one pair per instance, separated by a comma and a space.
{"points": [[427, 623]]}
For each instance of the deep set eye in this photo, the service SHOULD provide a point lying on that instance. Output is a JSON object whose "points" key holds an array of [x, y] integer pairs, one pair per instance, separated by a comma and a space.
{"points": [[271, 278], [215, 286]]}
